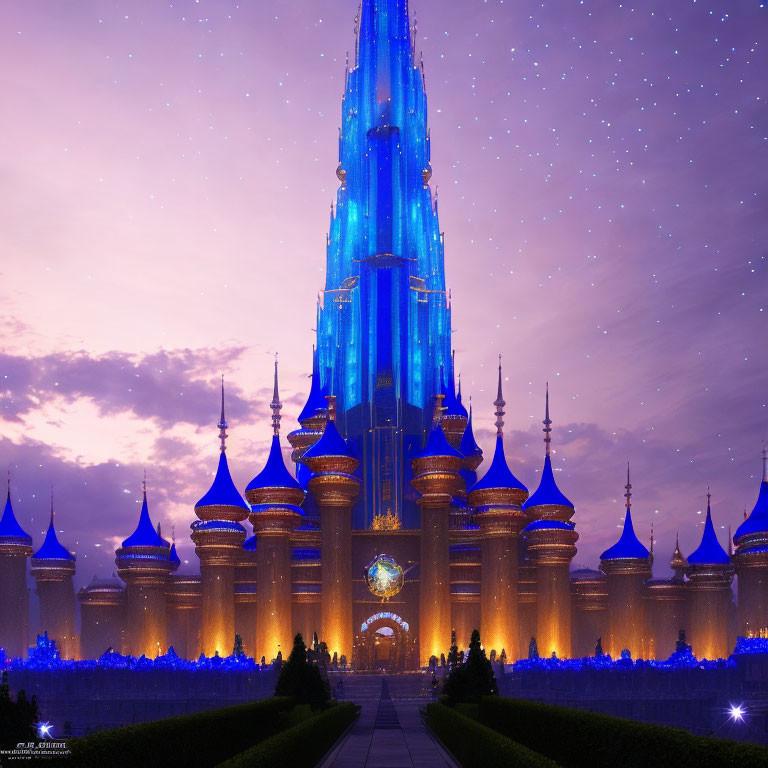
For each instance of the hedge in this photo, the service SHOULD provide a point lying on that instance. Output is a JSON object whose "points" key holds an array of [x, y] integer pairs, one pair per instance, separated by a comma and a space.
{"points": [[301, 746], [578, 739], [476, 746], [199, 740]]}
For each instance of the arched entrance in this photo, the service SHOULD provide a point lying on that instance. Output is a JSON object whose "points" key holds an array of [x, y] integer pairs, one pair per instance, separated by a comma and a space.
{"points": [[382, 644]]}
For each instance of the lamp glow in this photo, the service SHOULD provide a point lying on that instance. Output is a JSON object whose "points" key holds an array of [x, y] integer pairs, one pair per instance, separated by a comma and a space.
{"points": [[737, 712], [44, 730]]}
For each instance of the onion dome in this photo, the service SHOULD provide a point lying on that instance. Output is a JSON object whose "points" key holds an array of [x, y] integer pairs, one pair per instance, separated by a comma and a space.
{"points": [[11, 533], [274, 482], [330, 444], [145, 534], [709, 552], [437, 445], [174, 558], [756, 525], [547, 494], [51, 549], [628, 547], [316, 401], [223, 492], [498, 475]]}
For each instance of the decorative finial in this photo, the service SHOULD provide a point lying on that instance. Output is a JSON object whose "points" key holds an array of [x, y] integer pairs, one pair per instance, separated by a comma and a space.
{"points": [[458, 394], [730, 542], [331, 407], [9, 481], [222, 425], [437, 415], [144, 484], [653, 540], [499, 403], [628, 488], [765, 461], [275, 405], [51, 503], [547, 422], [709, 498]]}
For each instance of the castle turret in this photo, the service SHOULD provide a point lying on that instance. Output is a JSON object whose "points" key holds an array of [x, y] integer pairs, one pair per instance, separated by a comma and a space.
{"points": [[498, 499], [589, 617], [143, 564], [436, 478], [751, 561], [184, 604], [53, 568], [274, 495], [218, 536], [247, 595], [710, 574], [551, 546], [15, 548], [332, 462], [102, 617], [665, 608], [627, 565], [454, 416]]}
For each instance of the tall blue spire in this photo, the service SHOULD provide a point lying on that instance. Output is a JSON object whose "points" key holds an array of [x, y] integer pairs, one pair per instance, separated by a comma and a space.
{"points": [[710, 551], [757, 522], [384, 325], [628, 546], [51, 549], [145, 534], [10, 530]]}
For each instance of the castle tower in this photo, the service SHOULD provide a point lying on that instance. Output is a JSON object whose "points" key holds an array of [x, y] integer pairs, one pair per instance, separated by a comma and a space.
{"points": [[143, 564], [589, 616], [665, 608], [454, 416], [274, 495], [247, 595], [218, 536], [465, 591], [497, 499], [102, 617], [551, 545], [751, 560], [53, 568], [184, 605], [383, 320], [334, 486], [306, 574], [627, 566], [15, 548], [437, 480], [710, 573]]}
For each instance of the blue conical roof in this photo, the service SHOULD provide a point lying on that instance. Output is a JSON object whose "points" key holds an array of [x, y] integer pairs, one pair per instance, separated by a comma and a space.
{"points": [[316, 401], [628, 545], [222, 492], [274, 474], [438, 445], [547, 493], [709, 552], [331, 443], [9, 526], [468, 446], [498, 474], [145, 534], [173, 556], [51, 548], [451, 403], [250, 543], [548, 525], [757, 522]]}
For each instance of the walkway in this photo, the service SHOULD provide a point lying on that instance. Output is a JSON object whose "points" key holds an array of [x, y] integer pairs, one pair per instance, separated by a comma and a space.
{"points": [[388, 734]]}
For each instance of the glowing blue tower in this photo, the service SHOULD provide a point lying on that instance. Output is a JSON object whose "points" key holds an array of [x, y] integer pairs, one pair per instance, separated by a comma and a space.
{"points": [[383, 328]]}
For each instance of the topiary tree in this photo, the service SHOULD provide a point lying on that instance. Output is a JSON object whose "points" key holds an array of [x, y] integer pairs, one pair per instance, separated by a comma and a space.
{"points": [[301, 680], [473, 679]]}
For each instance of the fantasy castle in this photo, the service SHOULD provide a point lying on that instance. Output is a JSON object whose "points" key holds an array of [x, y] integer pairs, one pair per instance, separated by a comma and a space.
{"points": [[385, 542]]}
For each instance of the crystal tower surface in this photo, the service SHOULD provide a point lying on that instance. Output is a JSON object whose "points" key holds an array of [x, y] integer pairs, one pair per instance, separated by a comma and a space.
{"points": [[383, 327]]}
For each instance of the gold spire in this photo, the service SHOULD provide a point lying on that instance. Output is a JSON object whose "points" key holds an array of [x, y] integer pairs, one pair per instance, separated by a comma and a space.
{"points": [[765, 461], [144, 484], [275, 405], [222, 425], [499, 403], [547, 422], [653, 540]]}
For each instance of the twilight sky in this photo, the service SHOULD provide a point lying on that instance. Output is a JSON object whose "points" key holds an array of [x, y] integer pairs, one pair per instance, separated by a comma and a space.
{"points": [[166, 171]]}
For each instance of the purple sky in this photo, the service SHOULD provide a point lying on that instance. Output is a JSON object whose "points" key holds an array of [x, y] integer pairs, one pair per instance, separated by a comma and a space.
{"points": [[166, 171]]}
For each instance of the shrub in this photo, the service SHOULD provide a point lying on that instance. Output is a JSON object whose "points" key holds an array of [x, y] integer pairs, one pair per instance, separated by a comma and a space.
{"points": [[303, 745], [17, 718], [199, 740], [301, 680], [578, 739], [476, 746], [472, 679]]}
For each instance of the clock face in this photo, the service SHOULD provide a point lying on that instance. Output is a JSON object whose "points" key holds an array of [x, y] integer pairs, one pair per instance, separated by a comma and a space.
{"points": [[384, 577]]}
